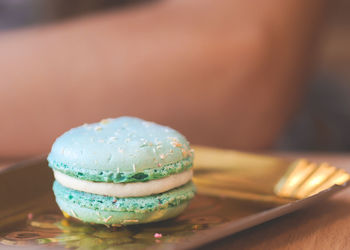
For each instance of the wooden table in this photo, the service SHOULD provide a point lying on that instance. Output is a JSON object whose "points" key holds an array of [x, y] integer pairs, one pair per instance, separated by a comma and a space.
{"points": [[323, 226]]}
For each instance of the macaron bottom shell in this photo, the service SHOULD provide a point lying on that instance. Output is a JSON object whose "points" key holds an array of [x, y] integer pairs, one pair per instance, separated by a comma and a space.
{"points": [[117, 218], [100, 209]]}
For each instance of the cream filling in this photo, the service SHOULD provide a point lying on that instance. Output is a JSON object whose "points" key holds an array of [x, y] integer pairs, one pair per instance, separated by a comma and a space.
{"points": [[135, 189]]}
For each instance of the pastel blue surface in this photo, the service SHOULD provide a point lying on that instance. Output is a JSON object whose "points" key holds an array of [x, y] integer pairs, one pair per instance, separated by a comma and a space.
{"points": [[125, 144]]}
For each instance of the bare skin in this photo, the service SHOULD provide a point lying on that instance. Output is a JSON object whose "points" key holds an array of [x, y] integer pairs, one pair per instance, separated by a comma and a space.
{"points": [[227, 74]]}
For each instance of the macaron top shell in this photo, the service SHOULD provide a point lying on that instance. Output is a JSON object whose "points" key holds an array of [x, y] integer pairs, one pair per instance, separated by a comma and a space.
{"points": [[124, 145]]}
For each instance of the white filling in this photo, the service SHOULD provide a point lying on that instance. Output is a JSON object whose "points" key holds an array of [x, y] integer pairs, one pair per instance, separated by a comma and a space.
{"points": [[135, 189]]}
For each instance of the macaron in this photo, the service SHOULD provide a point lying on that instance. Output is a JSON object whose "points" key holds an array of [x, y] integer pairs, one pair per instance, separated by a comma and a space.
{"points": [[122, 171]]}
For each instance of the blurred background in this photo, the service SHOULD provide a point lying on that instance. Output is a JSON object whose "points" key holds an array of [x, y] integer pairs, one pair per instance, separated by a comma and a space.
{"points": [[232, 74]]}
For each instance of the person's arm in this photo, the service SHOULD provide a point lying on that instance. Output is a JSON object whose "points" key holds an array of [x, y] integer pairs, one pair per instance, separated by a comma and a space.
{"points": [[225, 73]]}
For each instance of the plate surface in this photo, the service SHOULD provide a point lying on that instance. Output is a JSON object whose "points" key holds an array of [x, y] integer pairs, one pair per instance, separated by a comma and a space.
{"points": [[235, 191]]}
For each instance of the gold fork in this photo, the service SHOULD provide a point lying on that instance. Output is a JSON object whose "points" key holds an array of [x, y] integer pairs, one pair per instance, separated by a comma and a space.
{"points": [[255, 177]]}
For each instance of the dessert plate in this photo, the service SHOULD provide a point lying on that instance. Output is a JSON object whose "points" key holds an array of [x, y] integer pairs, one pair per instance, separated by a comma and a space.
{"points": [[236, 191]]}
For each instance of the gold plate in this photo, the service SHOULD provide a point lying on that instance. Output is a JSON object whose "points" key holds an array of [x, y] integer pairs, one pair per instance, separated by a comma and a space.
{"points": [[235, 191]]}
